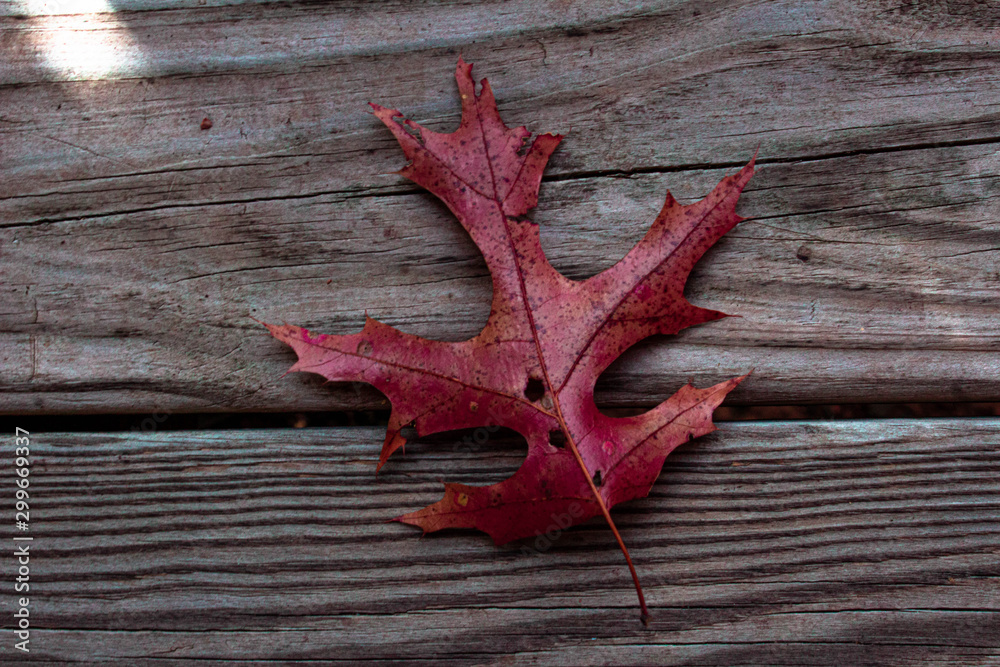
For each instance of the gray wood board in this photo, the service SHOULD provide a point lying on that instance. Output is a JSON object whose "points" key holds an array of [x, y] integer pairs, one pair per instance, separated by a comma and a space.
{"points": [[780, 543], [135, 246]]}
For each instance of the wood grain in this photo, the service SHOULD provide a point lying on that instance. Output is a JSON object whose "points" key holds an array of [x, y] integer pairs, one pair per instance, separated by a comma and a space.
{"points": [[781, 543], [136, 246]]}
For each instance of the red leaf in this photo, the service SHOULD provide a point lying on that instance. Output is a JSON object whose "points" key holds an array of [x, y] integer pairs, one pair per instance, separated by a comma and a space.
{"points": [[548, 338]]}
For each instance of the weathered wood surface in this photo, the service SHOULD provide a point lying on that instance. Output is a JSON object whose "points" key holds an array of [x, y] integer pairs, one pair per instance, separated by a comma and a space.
{"points": [[135, 246], [779, 543]]}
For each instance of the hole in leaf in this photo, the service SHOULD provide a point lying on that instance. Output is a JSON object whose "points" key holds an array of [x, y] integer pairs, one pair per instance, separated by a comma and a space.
{"points": [[597, 479], [534, 390], [557, 439]]}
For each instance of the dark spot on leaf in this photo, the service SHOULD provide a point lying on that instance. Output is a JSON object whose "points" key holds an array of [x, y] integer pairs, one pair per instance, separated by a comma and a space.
{"points": [[364, 348], [557, 439], [597, 479], [534, 390]]}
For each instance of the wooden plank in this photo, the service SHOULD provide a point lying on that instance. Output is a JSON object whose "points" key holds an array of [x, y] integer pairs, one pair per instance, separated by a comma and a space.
{"points": [[150, 311], [136, 246], [781, 543], [804, 82]]}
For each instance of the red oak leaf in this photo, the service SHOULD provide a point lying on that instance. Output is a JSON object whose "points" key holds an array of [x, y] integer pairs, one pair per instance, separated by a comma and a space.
{"points": [[534, 366]]}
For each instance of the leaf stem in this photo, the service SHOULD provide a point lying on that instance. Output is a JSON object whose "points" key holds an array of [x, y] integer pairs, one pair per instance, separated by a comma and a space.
{"points": [[644, 611]]}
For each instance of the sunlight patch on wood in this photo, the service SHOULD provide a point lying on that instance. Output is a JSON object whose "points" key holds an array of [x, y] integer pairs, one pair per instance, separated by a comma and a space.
{"points": [[82, 39]]}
